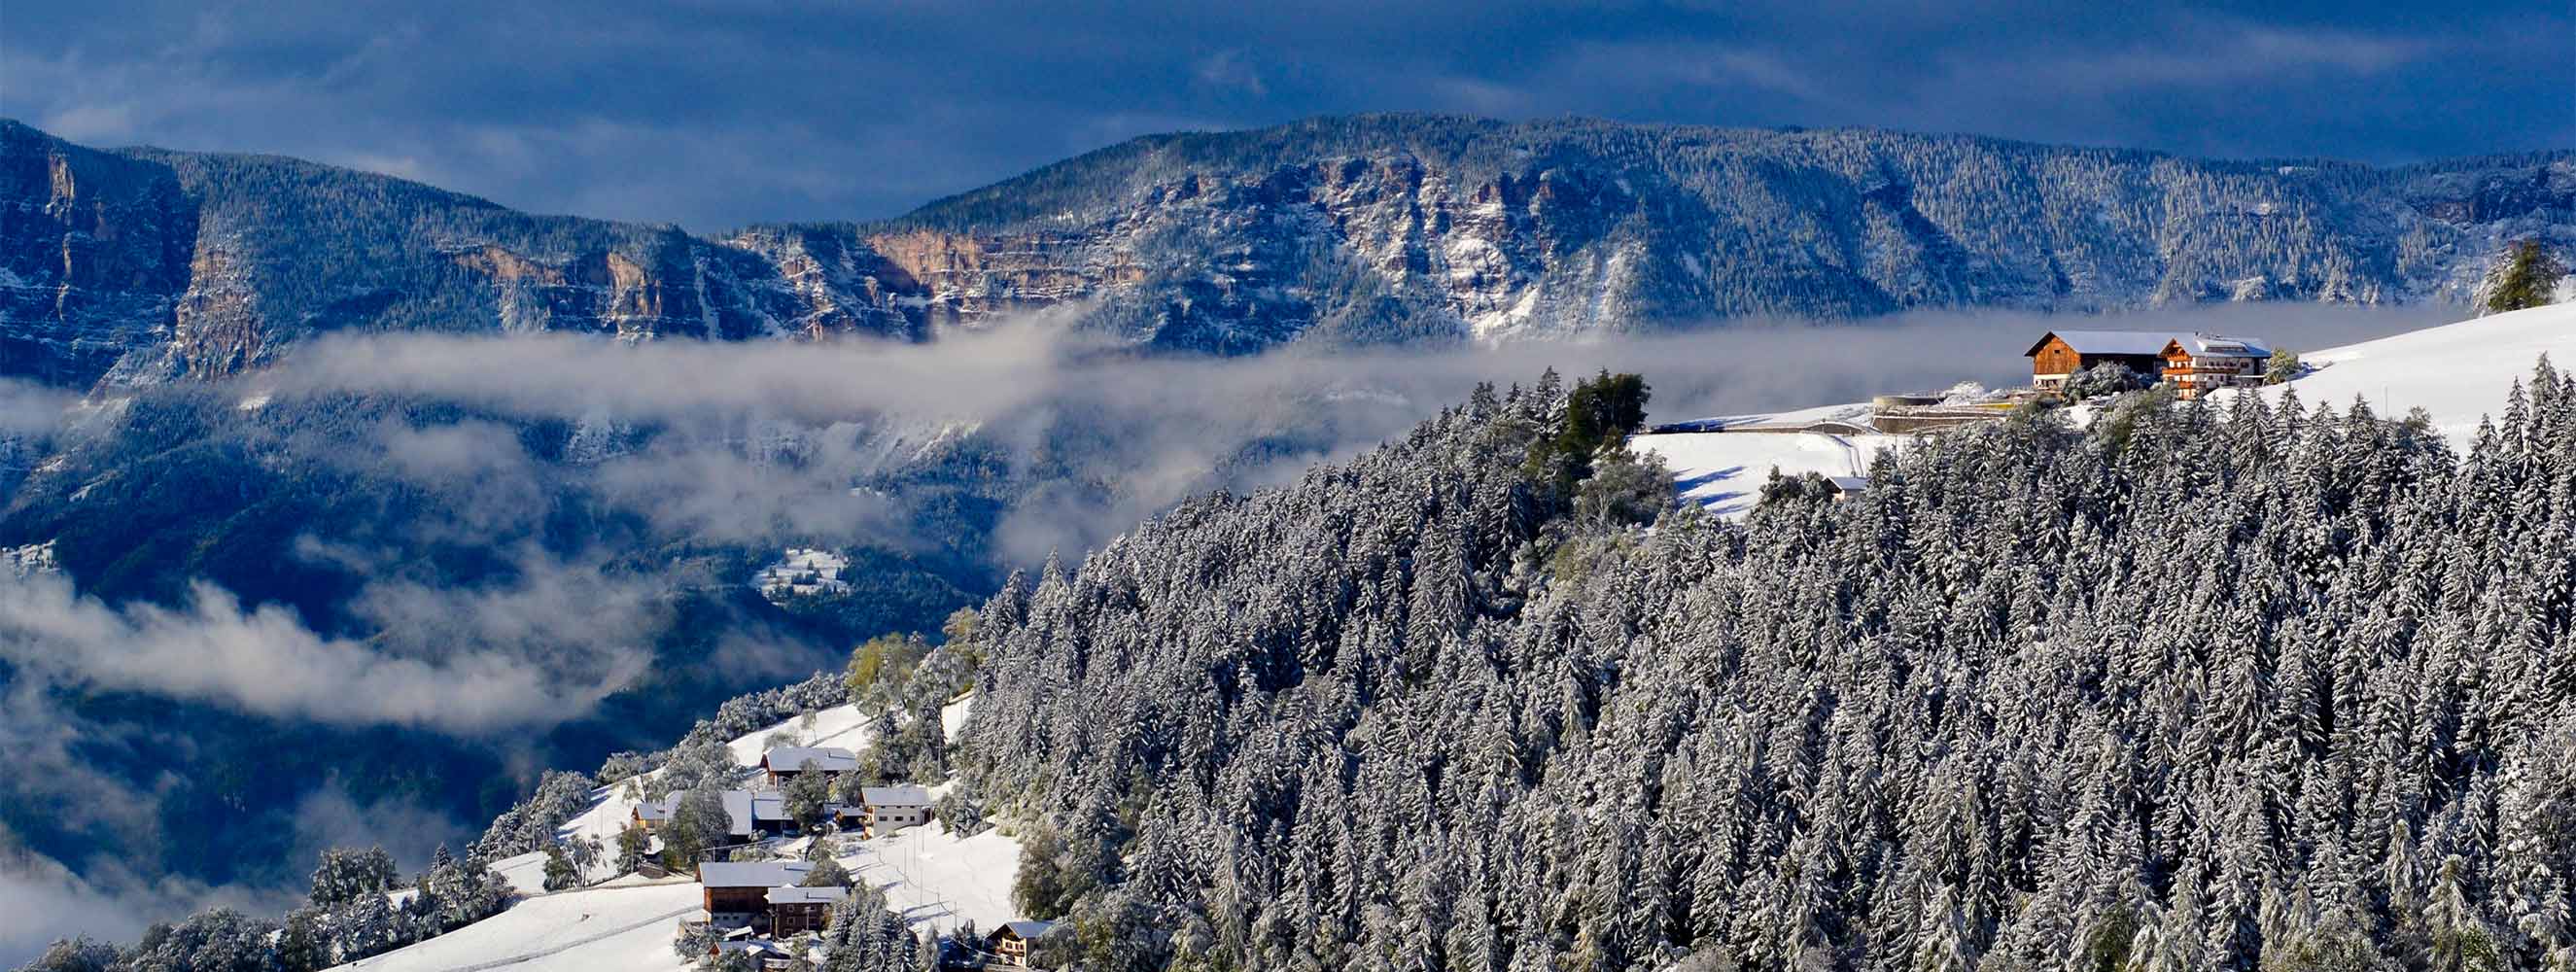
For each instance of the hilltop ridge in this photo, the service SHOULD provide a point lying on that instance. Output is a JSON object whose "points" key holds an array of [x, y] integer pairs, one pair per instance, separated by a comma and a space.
{"points": [[142, 265]]}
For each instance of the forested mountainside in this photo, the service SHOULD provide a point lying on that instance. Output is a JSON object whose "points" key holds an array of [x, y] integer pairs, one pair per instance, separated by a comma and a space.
{"points": [[2192, 689], [138, 265]]}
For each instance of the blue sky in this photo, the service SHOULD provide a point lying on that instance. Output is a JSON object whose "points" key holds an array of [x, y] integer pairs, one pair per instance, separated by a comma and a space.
{"points": [[718, 114]]}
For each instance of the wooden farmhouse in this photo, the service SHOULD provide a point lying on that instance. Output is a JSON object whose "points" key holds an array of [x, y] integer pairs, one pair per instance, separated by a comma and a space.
{"points": [[2199, 363], [737, 892], [2060, 354], [796, 910]]}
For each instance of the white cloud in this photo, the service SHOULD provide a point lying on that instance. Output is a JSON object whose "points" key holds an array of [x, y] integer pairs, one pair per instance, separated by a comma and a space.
{"points": [[514, 657]]}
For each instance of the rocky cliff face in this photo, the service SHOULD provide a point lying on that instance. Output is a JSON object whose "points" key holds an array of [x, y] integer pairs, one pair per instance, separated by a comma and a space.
{"points": [[98, 251], [142, 265]]}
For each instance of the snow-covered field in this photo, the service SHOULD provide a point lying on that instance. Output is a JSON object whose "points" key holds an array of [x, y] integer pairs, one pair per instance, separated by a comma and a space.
{"points": [[1857, 413], [1723, 471], [802, 571], [2457, 372], [932, 877], [937, 879]]}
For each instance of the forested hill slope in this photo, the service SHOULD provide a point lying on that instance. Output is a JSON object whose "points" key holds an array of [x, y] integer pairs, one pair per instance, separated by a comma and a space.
{"points": [[2191, 689], [138, 265]]}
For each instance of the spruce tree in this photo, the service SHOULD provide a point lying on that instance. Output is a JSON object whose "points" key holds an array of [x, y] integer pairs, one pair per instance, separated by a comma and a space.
{"points": [[2527, 278]]}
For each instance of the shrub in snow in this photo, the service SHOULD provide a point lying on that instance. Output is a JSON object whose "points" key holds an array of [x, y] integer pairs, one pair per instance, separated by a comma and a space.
{"points": [[2282, 366], [2107, 378]]}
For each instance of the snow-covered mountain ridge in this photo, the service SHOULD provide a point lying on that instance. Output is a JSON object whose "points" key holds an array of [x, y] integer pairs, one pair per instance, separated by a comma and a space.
{"points": [[139, 265]]}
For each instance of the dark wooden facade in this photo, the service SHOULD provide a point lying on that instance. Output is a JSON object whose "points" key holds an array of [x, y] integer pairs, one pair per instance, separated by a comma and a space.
{"points": [[2052, 359], [798, 917], [738, 901]]}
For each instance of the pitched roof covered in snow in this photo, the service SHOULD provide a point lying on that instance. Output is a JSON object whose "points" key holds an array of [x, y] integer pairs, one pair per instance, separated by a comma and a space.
{"points": [[740, 809], [2218, 346], [828, 759], [1026, 928], [752, 874], [894, 796], [792, 894], [2107, 342]]}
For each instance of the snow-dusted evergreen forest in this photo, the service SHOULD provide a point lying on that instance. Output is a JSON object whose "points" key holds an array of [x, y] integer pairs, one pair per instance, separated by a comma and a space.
{"points": [[2194, 688]]}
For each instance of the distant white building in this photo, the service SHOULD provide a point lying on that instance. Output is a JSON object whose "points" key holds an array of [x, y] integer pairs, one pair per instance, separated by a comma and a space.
{"points": [[886, 809]]}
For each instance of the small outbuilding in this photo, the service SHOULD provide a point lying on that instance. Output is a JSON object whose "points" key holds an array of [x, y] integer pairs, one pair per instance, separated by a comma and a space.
{"points": [[652, 814]]}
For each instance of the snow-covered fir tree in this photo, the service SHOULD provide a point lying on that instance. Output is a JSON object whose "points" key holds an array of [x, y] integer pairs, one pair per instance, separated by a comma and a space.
{"points": [[2201, 687]]}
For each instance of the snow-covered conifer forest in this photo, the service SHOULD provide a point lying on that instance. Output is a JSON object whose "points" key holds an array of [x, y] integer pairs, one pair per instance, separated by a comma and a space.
{"points": [[2197, 687]]}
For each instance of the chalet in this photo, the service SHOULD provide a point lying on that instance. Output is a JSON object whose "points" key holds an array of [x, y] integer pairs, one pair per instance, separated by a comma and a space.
{"points": [[796, 910], [2198, 363], [1011, 941], [1846, 487], [737, 892], [886, 809], [2060, 354], [785, 762]]}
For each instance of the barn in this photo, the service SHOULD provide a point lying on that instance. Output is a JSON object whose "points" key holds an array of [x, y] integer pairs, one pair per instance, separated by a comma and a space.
{"points": [[2059, 354]]}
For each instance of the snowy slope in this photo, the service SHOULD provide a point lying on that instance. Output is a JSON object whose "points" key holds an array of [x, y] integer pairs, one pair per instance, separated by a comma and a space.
{"points": [[610, 808], [609, 927], [934, 878], [931, 877], [1724, 471], [937, 879], [2458, 372]]}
